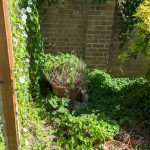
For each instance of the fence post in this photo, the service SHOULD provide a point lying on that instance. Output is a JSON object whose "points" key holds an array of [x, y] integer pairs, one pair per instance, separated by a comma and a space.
{"points": [[8, 89]]}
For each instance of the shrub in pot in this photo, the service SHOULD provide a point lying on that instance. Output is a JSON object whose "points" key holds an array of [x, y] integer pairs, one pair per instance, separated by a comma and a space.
{"points": [[66, 73]]}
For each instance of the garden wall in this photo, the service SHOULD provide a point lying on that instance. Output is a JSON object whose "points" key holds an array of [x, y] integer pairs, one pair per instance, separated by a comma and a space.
{"points": [[134, 67], [92, 31]]}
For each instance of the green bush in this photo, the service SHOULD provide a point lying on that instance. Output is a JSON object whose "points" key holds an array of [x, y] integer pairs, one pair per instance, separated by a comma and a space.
{"points": [[65, 70], [140, 43], [87, 131], [84, 131], [105, 84], [136, 101], [123, 99], [113, 101], [55, 105]]}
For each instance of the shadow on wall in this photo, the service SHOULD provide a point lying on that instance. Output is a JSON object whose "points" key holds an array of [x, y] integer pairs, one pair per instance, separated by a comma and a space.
{"points": [[130, 68]]}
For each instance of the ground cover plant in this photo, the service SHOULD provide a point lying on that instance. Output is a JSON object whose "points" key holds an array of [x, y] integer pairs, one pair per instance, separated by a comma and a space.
{"points": [[121, 96], [87, 131], [115, 104]]}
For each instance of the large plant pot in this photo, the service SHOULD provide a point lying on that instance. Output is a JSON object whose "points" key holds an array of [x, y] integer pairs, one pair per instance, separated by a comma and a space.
{"points": [[61, 91]]}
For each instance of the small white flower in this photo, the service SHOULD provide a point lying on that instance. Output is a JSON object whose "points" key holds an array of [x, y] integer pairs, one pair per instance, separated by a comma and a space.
{"points": [[27, 60], [30, 2], [24, 18], [22, 79], [21, 27], [24, 10], [20, 69], [28, 9], [25, 35], [26, 142], [24, 130], [15, 40]]}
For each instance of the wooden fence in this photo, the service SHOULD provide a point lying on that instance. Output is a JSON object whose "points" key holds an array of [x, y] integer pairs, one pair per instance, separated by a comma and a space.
{"points": [[7, 82]]}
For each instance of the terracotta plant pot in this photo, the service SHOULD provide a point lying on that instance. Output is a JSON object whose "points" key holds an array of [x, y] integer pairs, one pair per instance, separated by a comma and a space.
{"points": [[61, 91]]}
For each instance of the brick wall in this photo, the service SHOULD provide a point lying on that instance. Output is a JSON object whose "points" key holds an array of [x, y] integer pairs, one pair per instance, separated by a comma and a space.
{"points": [[92, 31], [64, 26], [98, 36]]}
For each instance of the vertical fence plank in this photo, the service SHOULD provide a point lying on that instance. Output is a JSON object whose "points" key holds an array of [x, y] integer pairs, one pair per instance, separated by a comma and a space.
{"points": [[8, 93]]}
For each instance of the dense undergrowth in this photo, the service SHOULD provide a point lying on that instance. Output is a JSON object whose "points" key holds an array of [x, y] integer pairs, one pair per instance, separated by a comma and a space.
{"points": [[86, 131], [113, 103], [24, 19], [118, 97]]}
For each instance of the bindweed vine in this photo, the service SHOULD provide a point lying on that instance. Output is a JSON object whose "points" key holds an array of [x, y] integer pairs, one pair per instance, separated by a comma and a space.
{"points": [[18, 21], [24, 20]]}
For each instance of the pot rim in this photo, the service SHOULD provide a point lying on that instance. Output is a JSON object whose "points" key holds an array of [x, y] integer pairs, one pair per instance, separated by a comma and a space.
{"points": [[54, 83]]}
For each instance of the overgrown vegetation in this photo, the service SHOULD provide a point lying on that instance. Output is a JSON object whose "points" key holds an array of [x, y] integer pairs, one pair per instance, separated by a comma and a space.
{"points": [[113, 102], [18, 21], [85, 131], [140, 41], [128, 8], [21, 12], [65, 70], [120, 98]]}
